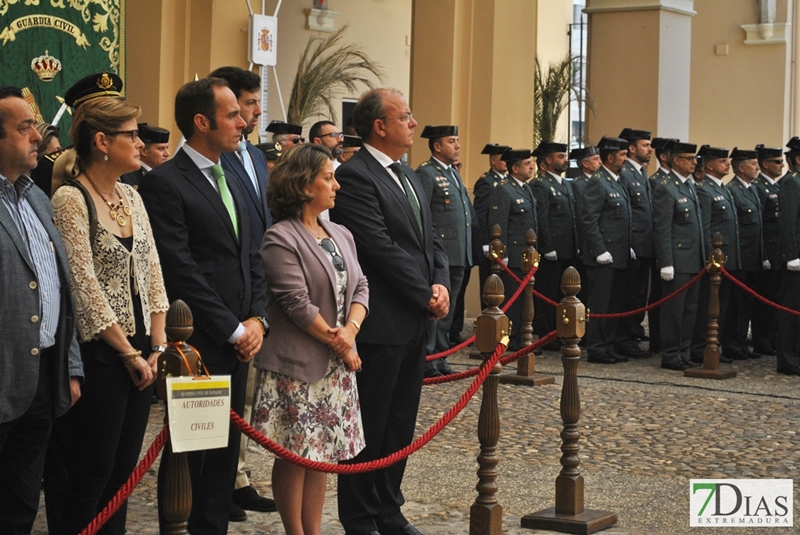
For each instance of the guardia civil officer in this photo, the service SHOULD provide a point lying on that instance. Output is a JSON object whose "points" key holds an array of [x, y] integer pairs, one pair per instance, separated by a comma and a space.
{"points": [[789, 233], [606, 252], [512, 206], [558, 232], [754, 257], [719, 215], [680, 252], [450, 207], [481, 192], [767, 184], [633, 177]]}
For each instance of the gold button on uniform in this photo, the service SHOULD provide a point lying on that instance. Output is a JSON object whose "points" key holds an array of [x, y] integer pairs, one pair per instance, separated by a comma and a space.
{"points": [[34, 351], [34, 319], [32, 285]]}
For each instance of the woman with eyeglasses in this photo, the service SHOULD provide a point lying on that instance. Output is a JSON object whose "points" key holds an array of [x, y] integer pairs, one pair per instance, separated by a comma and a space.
{"points": [[120, 307], [306, 398]]}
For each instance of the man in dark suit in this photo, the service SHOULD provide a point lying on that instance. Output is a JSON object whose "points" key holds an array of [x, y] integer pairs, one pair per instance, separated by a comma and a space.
{"points": [[789, 233], [452, 221], [679, 235], [154, 153], [557, 219], [40, 358], [249, 165], [634, 177], [606, 252], [753, 255], [513, 207], [767, 184], [381, 201], [202, 231], [719, 215], [481, 190]]}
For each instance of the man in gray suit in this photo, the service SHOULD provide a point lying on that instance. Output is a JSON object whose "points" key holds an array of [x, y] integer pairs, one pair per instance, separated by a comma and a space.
{"points": [[679, 234], [450, 207], [40, 360]]}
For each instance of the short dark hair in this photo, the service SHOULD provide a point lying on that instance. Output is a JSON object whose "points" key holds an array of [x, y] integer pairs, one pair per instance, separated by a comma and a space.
{"points": [[369, 108], [7, 91], [288, 180], [433, 141], [316, 129], [238, 79], [197, 97], [604, 154]]}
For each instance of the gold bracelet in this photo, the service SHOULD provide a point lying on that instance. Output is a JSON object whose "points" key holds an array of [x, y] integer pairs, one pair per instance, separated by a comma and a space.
{"points": [[260, 322], [357, 324], [130, 357]]}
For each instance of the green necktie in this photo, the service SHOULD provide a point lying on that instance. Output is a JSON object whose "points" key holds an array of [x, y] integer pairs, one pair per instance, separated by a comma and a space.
{"points": [[412, 199], [225, 193]]}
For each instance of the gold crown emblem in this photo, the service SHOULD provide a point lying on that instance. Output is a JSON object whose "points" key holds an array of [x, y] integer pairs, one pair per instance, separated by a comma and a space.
{"points": [[104, 82], [46, 67]]}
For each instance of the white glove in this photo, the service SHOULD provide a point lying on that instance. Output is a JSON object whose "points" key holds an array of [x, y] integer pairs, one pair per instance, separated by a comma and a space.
{"points": [[552, 255], [633, 254], [766, 265], [667, 273], [505, 260], [485, 250], [793, 265], [605, 258]]}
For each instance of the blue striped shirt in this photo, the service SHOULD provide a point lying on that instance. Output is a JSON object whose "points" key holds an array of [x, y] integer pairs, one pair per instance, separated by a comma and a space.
{"points": [[41, 252]]}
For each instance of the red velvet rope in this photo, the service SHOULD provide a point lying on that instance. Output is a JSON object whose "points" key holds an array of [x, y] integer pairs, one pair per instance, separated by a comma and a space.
{"points": [[752, 292], [377, 464], [127, 489]]}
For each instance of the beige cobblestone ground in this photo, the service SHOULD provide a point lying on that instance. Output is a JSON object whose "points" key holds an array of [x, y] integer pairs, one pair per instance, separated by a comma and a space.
{"points": [[645, 433]]}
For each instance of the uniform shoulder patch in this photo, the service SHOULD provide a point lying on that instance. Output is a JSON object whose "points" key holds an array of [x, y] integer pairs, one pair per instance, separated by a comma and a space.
{"points": [[54, 155]]}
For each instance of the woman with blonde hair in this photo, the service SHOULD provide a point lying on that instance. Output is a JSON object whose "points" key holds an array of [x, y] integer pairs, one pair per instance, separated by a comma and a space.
{"points": [[120, 307]]}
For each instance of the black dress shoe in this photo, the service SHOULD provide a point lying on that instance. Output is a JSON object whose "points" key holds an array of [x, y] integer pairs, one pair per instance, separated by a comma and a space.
{"points": [[788, 369], [248, 498], [618, 357], [691, 363], [236, 513], [433, 373], [736, 355], [633, 353], [456, 339], [604, 358], [752, 355], [408, 529], [678, 366], [768, 351], [444, 368], [724, 360]]}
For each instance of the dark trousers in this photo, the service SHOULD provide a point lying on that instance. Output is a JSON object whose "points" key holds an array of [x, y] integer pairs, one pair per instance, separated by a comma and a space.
{"points": [[440, 334], [389, 387], [95, 447], [23, 443], [458, 318], [737, 318], [654, 314], [678, 319], [213, 472], [630, 328], [765, 330], [789, 324], [607, 289], [548, 283], [700, 335]]}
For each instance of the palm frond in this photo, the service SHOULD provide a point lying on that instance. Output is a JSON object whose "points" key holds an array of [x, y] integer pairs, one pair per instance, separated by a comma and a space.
{"points": [[326, 70], [551, 96]]}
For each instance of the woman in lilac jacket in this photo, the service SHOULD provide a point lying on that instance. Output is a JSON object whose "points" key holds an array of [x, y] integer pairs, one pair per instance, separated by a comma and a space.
{"points": [[306, 397]]}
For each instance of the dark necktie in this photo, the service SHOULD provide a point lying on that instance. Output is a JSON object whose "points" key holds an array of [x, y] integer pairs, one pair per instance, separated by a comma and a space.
{"points": [[225, 193], [412, 199]]}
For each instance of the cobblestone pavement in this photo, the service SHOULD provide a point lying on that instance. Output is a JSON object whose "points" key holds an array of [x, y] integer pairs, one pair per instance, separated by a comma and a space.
{"points": [[644, 433]]}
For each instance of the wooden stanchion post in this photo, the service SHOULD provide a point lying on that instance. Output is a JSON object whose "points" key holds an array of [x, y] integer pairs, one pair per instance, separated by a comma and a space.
{"points": [[496, 250], [175, 491], [491, 327], [526, 366], [711, 369], [569, 514]]}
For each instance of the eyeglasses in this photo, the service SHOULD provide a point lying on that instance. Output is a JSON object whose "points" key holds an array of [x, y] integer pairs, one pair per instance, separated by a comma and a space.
{"points": [[777, 161], [133, 134], [337, 135], [297, 140], [330, 248], [403, 118]]}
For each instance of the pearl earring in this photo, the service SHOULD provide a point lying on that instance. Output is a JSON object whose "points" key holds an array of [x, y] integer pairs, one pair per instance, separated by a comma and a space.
{"points": [[105, 157]]}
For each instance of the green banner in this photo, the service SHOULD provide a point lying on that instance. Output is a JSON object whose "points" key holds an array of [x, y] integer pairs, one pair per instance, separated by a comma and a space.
{"points": [[48, 45]]}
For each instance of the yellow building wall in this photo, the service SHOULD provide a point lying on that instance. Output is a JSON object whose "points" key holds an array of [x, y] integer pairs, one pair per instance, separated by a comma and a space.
{"points": [[552, 45], [739, 94]]}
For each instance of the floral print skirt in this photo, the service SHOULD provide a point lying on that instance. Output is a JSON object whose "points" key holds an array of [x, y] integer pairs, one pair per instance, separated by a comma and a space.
{"points": [[319, 421]]}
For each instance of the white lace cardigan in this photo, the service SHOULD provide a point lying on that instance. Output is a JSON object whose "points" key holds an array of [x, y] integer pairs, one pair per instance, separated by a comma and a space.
{"points": [[101, 289]]}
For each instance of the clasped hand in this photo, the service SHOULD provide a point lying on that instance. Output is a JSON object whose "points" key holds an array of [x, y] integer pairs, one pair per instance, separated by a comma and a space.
{"points": [[439, 305]]}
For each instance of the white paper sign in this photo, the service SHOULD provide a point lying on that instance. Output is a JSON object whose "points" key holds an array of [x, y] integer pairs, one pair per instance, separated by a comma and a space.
{"points": [[263, 40], [199, 412]]}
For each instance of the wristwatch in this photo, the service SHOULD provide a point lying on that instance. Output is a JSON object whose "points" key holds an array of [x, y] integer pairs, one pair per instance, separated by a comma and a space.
{"points": [[158, 348]]}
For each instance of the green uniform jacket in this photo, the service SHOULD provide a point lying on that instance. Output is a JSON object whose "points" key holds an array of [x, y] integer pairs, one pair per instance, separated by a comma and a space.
{"points": [[768, 193], [719, 215], [481, 192], [557, 217], [641, 199], [751, 239], [789, 218], [512, 206], [606, 221], [678, 228], [450, 208]]}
